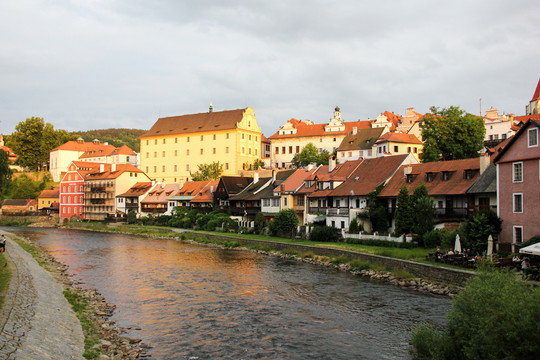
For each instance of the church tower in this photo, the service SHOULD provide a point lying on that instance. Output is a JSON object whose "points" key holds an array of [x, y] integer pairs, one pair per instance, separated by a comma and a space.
{"points": [[534, 104]]}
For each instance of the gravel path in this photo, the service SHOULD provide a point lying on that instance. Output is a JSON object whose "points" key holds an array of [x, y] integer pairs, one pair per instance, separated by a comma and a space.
{"points": [[36, 321]]}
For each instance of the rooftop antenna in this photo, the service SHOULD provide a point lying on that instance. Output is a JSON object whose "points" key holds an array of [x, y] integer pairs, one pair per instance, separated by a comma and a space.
{"points": [[480, 106]]}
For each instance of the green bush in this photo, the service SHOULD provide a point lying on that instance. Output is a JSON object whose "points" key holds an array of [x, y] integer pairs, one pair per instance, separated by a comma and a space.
{"points": [[284, 223], [354, 228], [163, 220], [496, 316], [131, 217], [325, 234], [260, 223], [431, 238]]}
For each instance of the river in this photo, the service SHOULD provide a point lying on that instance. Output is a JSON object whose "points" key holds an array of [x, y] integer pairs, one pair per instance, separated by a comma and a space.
{"points": [[194, 302]]}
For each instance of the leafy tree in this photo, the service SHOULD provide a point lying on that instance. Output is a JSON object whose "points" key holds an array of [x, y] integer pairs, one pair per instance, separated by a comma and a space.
{"points": [[260, 223], [310, 155], [285, 222], [211, 171], [479, 226], [376, 211], [354, 228], [23, 187], [325, 234], [423, 215], [404, 212], [131, 217], [451, 134], [5, 173], [496, 316]]}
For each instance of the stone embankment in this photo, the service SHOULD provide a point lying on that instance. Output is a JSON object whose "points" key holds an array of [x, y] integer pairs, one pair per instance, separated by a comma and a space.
{"points": [[37, 322]]}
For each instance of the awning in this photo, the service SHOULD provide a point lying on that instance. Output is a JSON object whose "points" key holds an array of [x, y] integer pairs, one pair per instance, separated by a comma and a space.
{"points": [[533, 249]]}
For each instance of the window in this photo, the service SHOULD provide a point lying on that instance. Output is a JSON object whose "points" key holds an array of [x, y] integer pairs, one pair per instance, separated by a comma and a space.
{"points": [[175, 168], [518, 203], [533, 137], [409, 149], [226, 166], [155, 153], [249, 137], [163, 153], [155, 142], [283, 150], [430, 177], [164, 141], [410, 178], [202, 151], [187, 167], [227, 136], [163, 168], [396, 148], [297, 149], [155, 169], [518, 234], [468, 174], [249, 150], [415, 150], [187, 152], [147, 169], [333, 224], [147, 142], [517, 172], [338, 203], [343, 224], [175, 152], [290, 149], [446, 175], [214, 150], [188, 139], [226, 150], [243, 151], [277, 150], [334, 139], [266, 202], [214, 136], [242, 136], [147, 155], [275, 202], [176, 140], [285, 201]]}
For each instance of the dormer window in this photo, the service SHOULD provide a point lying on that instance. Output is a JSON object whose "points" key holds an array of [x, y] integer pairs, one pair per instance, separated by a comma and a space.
{"points": [[468, 174], [430, 177], [410, 178], [446, 175]]}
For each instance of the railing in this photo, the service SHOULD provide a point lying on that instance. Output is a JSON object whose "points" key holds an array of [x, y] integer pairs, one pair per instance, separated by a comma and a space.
{"points": [[241, 211], [315, 209], [402, 238], [337, 212]]}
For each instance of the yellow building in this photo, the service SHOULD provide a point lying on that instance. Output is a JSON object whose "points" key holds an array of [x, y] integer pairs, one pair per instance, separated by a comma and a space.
{"points": [[175, 146], [394, 143]]}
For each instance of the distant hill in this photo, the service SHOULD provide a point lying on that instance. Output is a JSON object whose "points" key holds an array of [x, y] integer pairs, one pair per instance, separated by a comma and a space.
{"points": [[115, 137]]}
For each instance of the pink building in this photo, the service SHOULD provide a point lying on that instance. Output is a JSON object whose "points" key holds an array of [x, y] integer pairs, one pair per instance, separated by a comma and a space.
{"points": [[518, 187]]}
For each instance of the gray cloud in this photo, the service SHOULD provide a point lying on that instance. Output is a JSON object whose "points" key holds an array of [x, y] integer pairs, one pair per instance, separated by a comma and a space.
{"points": [[98, 64]]}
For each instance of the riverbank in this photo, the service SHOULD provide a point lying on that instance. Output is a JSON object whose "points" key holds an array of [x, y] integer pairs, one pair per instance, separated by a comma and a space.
{"points": [[36, 314]]}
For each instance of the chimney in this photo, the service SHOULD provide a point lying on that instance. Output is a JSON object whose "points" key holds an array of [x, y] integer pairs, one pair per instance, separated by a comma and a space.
{"points": [[101, 168], [407, 170], [331, 164], [309, 167], [255, 177], [354, 130], [484, 162], [273, 176], [211, 108], [113, 167], [212, 189]]}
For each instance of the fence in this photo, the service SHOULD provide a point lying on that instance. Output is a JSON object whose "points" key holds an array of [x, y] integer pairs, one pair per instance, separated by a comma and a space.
{"points": [[361, 236]]}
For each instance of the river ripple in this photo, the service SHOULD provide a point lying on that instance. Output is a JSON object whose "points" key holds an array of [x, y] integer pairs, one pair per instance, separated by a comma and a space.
{"points": [[193, 302]]}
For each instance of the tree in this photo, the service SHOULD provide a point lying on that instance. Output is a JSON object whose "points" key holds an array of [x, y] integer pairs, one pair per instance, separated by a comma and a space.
{"points": [[479, 226], [5, 173], [376, 212], [23, 187], [310, 155], [451, 134], [211, 171], [33, 140], [496, 316], [260, 223], [285, 222], [404, 212]]}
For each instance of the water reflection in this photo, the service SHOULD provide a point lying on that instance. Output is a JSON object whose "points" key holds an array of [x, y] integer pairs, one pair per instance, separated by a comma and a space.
{"points": [[192, 301]]}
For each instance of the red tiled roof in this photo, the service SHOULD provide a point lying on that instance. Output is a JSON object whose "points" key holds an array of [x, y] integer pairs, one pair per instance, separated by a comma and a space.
{"points": [[206, 195], [536, 95], [524, 118], [394, 118], [54, 193], [370, 174], [264, 139], [108, 174], [192, 188], [9, 152], [293, 182], [340, 173], [399, 138], [138, 189], [98, 150], [455, 185], [302, 129], [160, 193], [123, 150]]}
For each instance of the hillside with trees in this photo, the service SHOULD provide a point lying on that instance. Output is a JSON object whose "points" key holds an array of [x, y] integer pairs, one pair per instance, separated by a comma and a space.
{"points": [[115, 137]]}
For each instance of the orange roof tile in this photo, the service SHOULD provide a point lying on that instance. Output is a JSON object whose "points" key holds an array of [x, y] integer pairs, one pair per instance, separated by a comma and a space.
{"points": [[293, 182], [192, 188], [50, 194], [138, 189], [206, 195], [160, 193], [108, 174], [399, 138], [303, 129]]}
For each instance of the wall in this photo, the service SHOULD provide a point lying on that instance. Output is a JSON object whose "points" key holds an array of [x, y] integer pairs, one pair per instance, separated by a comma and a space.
{"points": [[426, 271]]}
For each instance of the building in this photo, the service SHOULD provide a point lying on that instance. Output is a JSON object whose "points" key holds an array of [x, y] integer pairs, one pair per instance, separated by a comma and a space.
{"points": [[61, 157], [447, 183], [409, 120], [295, 134], [499, 127], [175, 146], [387, 120], [394, 143], [18, 206], [187, 193], [157, 199], [533, 108], [49, 200], [518, 188], [229, 186], [360, 144], [131, 199], [12, 157], [205, 198], [71, 190], [103, 185], [266, 148]]}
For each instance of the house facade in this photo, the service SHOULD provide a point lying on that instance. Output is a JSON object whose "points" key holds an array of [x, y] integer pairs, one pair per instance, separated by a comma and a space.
{"points": [[518, 187], [131, 199], [175, 146], [393, 143], [48, 199], [296, 134], [72, 189], [360, 144]]}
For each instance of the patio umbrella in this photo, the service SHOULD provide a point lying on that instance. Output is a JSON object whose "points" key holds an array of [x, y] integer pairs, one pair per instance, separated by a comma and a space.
{"points": [[533, 249], [457, 245], [490, 246]]}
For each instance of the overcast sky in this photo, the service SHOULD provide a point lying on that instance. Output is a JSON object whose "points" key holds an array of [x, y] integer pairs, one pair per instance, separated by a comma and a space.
{"points": [[97, 64]]}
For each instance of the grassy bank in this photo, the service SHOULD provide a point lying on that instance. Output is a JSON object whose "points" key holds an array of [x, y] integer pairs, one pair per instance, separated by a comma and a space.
{"points": [[5, 278]]}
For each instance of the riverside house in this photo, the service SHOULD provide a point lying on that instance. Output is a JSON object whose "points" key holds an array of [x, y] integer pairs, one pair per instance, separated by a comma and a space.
{"points": [[131, 199], [518, 187]]}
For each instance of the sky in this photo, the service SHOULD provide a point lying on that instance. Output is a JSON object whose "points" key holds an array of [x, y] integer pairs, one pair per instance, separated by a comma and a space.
{"points": [[97, 64]]}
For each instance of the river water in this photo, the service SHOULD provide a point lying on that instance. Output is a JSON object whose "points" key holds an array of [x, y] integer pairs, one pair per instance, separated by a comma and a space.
{"points": [[193, 302]]}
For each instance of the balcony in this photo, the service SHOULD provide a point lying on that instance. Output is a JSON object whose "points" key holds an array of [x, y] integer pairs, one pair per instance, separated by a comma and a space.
{"points": [[337, 212], [317, 210], [242, 211]]}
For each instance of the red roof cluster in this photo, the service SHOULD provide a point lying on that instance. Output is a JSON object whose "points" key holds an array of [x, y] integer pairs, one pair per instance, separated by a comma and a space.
{"points": [[303, 129]]}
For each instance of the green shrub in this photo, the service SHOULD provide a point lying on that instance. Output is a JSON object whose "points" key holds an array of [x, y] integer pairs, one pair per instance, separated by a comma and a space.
{"points": [[325, 234], [354, 228], [284, 223], [163, 220], [496, 316], [432, 239], [260, 223], [358, 265], [131, 217]]}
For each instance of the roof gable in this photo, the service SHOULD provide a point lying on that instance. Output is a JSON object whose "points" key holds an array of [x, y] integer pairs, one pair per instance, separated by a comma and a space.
{"points": [[521, 138]]}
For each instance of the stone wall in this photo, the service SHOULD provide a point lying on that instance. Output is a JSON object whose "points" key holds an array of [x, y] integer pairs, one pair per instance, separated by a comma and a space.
{"points": [[51, 220], [426, 271]]}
